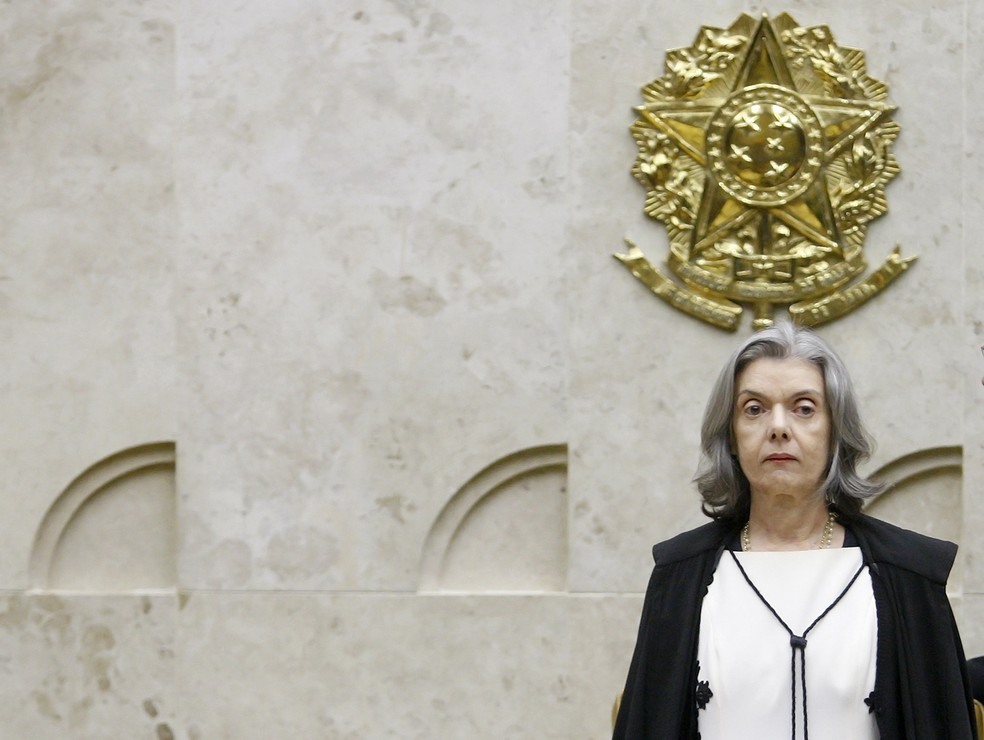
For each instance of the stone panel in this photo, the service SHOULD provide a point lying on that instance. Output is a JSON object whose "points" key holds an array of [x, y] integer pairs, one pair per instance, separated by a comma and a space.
{"points": [[373, 234], [641, 371], [972, 361], [88, 225], [87, 667], [357, 666]]}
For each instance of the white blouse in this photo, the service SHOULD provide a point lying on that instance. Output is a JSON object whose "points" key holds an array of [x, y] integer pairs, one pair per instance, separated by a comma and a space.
{"points": [[745, 653]]}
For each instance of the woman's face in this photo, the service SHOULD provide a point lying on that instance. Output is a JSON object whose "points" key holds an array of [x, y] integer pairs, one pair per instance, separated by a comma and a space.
{"points": [[781, 426]]}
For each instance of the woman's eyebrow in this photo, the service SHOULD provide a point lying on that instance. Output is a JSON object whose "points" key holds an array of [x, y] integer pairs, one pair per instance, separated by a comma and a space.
{"points": [[797, 394]]}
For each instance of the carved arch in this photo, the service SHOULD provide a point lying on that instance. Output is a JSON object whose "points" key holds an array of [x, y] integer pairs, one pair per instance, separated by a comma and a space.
{"points": [[534, 479], [113, 527]]}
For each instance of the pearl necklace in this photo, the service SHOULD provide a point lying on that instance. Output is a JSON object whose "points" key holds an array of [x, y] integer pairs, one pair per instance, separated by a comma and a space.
{"points": [[825, 538]]}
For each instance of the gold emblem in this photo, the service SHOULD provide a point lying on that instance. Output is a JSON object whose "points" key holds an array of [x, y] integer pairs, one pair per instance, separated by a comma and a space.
{"points": [[765, 149]]}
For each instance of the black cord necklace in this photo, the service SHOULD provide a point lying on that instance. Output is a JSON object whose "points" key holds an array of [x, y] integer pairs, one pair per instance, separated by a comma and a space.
{"points": [[797, 642]]}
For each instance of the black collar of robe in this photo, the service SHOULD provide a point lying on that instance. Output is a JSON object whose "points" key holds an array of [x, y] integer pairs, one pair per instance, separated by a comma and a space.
{"points": [[921, 692]]}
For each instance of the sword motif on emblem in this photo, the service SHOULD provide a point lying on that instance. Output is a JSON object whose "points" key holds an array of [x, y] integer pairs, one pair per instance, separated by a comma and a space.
{"points": [[764, 150]]}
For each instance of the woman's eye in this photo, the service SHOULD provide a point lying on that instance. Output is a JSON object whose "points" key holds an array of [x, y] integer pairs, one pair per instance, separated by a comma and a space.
{"points": [[805, 409], [753, 409]]}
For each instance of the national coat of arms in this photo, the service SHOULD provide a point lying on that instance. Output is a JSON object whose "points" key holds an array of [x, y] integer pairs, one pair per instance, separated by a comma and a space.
{"points": [[764, 150]]}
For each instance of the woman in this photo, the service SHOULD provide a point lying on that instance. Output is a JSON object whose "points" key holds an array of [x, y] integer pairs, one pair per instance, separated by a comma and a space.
{"points": [[793, 614]]}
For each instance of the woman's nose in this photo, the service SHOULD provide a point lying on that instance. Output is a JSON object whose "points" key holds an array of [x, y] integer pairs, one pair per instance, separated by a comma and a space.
{"points": [[779, 429]]}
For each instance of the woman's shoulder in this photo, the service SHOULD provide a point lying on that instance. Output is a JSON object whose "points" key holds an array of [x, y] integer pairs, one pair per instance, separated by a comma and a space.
{"points": [[706, 538], [887, 543]]}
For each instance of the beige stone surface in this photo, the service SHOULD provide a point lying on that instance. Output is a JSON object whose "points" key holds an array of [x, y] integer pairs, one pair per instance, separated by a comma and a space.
{"points": [[356, 666], [88, 234], [972, 624], [972, 358], [372, 310], [88, 667], [347, 257]]}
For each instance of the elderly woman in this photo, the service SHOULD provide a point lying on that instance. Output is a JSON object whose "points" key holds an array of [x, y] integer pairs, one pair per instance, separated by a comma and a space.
{"points": [[793, 614]]}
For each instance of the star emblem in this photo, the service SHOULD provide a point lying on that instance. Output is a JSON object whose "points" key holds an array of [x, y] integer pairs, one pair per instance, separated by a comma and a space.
{"points": [[765, 150]]}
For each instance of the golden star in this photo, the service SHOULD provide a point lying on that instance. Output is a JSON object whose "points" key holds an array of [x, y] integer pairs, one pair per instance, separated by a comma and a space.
{"points": [[763, 139]]}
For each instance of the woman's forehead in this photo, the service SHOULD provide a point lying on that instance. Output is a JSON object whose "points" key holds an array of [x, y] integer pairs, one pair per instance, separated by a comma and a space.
{"points": [[768, 374]]}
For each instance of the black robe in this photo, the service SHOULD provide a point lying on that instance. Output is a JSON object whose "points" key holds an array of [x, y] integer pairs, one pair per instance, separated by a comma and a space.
{"points": [[921, 687]]}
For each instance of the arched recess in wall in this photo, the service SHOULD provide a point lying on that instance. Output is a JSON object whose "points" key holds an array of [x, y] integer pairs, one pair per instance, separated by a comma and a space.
{"points": [[505, 529], [113, 528], [924, 493]]}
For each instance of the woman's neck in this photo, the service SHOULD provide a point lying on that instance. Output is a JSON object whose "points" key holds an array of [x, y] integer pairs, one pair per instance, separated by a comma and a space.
{"points": [[784, 523]]}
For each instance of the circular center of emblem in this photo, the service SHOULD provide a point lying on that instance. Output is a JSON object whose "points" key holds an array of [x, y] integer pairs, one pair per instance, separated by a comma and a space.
{"points": [[765, 145]]}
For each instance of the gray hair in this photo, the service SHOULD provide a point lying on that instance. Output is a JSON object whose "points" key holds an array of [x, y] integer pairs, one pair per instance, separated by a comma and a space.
{"points": [[720, 480]]}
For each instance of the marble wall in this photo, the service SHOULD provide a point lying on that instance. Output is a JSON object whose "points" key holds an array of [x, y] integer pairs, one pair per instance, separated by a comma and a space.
{"points": [[329, 413]]}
